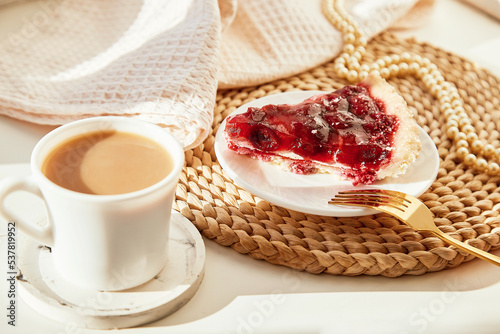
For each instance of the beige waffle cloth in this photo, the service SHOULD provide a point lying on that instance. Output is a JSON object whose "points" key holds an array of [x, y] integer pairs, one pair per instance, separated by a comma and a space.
{"points": [[163, 61]]}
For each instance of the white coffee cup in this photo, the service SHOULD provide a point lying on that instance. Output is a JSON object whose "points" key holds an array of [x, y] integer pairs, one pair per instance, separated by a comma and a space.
{"points": [[103, 242]]}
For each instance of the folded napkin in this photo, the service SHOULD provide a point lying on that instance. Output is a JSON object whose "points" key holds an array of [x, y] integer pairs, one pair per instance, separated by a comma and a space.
{"points": [[162, 61], [153, 60]]}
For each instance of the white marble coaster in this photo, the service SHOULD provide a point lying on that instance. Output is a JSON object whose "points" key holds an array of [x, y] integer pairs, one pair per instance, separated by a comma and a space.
{"points": [[41, 287]]}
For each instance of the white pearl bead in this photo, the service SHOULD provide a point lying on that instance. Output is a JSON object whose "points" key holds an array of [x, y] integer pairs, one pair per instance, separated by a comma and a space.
{"points": [[456, 103], [348, 48], [426, 62], [350, 30], [454, 95], [461, 114], [432, 67], [427, 78], [489, 150], [461, 136], [356, 28], [462, 152], [463, 121], [353, 64], [462, 143], [405, 56], [422, 71], [340, 60], [450, 112], [444, 106], [357, 55], [345, 55], [380, 63], [364, 67], [349, 38], [352, 75], [387, 60], [361, 50], [342, 72], [444, 99], [403, 68], [434, 73], [362, 41], [468, 129], [362, 75], [481, 164], [440, 80], [396, 59], [414, 67], [453, 117], [441, 95], [435, 89], [417, 58], [477, 146], [471, 136], [393, 69], [339, 67], [470, 160], [493, 168], [452, 132], [385, 73]]}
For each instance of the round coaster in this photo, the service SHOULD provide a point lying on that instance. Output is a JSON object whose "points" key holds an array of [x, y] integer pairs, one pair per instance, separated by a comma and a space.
{"points": [[46, 292], [465, 202]]}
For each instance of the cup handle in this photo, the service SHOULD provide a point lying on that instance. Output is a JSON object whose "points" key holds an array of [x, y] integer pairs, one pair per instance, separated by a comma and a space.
{"points": [[10, 185]]}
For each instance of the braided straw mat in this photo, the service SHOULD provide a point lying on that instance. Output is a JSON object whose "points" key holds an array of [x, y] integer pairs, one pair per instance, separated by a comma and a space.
{"points": [[465, 202]]}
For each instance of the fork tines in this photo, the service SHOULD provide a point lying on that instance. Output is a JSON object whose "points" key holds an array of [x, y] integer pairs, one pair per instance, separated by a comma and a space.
{"points": [[371, 198]]}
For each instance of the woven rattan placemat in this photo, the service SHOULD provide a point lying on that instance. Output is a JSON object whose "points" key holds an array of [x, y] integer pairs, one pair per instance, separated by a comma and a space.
{"points": [[465, 202]]}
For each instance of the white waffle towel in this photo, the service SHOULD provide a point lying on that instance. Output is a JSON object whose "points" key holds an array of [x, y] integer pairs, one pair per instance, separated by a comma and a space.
{"points": [[163, 61]]}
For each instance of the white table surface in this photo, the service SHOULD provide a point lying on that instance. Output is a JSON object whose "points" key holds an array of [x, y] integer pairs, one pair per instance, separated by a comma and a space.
{"points": [[243, 295]]}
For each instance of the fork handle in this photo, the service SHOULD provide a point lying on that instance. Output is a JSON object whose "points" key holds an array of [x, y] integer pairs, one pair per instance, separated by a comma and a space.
{"points": [[468, 248]]}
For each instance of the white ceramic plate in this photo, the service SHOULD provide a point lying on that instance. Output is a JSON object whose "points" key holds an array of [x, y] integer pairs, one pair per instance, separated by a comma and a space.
{"points": [[310, 193]]}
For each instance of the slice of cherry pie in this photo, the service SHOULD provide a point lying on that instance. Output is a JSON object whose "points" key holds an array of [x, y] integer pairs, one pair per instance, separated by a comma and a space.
{"points": [[361, 133]]}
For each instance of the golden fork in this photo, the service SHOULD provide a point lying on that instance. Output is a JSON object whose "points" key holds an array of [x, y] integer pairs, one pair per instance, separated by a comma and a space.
{"points": [[409, 210]]}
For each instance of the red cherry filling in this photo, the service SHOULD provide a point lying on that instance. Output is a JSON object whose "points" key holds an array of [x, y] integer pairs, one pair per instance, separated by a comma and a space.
{"points": [[347, 127]]}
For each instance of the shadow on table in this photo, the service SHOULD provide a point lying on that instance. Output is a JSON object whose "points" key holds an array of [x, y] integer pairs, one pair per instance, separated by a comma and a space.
{"points": [[229, 274]]}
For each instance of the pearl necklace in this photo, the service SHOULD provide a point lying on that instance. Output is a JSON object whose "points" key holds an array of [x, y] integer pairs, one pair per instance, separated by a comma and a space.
{"points": [[459, 127]]}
